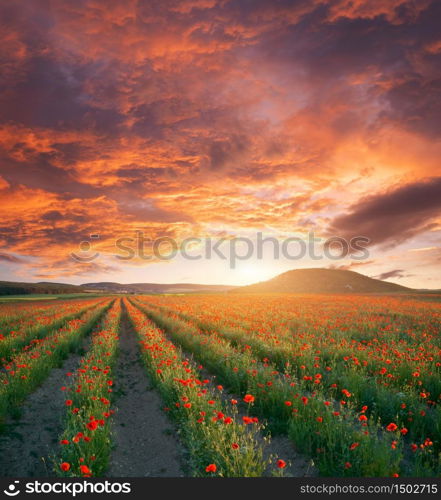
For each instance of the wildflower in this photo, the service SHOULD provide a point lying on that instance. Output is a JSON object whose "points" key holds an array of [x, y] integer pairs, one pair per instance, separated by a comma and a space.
{"points": [[92, 425], [211, 468], [392, 427], [68, 402], [85, 470], [65, 466], [248, 398], [235, 446], [362, 418], [353, 446], [281, 464], [64, 441]]}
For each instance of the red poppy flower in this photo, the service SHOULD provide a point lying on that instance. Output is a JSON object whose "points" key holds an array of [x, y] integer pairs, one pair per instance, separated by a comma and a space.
{"points": [[211, 468], [68, 402], [392, 427], [235, 446], [85, 470], [281, 464], [248, 398], [92, 425], [65, 466]]}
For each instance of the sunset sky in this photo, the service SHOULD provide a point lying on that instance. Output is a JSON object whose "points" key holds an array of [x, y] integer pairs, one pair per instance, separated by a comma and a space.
{"points": [[216, 118]]}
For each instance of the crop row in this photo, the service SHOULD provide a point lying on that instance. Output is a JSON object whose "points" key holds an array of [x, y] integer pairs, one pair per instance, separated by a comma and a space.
{"points": [[416, 413], [28, 369], [342, 439], [85, 443], [218, 441], [28, 332]]}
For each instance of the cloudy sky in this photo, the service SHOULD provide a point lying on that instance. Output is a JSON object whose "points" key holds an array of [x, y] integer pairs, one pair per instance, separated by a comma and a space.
{"points": [[217, 118]]}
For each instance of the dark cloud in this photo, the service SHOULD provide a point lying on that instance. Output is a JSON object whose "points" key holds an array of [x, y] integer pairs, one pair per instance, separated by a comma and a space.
{"points": [[12, 259], [396, 273], [394, 216]]}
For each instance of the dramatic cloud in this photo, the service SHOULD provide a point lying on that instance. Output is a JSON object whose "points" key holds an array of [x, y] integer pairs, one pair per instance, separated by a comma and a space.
{"points": [[394, 216], [396, 273], [194, 117], [5, 257]]}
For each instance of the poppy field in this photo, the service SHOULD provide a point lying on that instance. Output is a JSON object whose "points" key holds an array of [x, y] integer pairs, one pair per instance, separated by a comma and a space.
{"points": [[249, 384]]}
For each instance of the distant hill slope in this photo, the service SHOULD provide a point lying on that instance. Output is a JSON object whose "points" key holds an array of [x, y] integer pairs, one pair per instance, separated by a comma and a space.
{"points": [[22, 288], [323, 281], [108, 286]]}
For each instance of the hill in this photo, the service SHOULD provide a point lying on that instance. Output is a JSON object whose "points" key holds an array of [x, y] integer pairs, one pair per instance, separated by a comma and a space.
{"points": [[323, 281], [108, 286], [22, 288]]}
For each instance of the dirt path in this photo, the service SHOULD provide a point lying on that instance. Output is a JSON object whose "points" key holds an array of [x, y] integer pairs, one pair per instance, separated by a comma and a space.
{"points": [[280, 445], [143, 435], [26, 444]]}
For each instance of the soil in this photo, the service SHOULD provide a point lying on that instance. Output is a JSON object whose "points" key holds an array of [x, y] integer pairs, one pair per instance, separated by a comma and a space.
{"points": [[26, 444], [281, 446], [144, 438]]}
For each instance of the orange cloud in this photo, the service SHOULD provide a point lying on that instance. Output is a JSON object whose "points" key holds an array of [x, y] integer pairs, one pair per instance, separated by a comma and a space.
{"points": [[209, 115]]}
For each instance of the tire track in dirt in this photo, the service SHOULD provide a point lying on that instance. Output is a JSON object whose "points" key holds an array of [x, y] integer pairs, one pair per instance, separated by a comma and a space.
{"points": [[27, 444], [144, 437]]}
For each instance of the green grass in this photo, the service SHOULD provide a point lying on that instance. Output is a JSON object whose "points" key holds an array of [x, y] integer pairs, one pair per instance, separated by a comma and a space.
{"points": [[49, 296]]}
